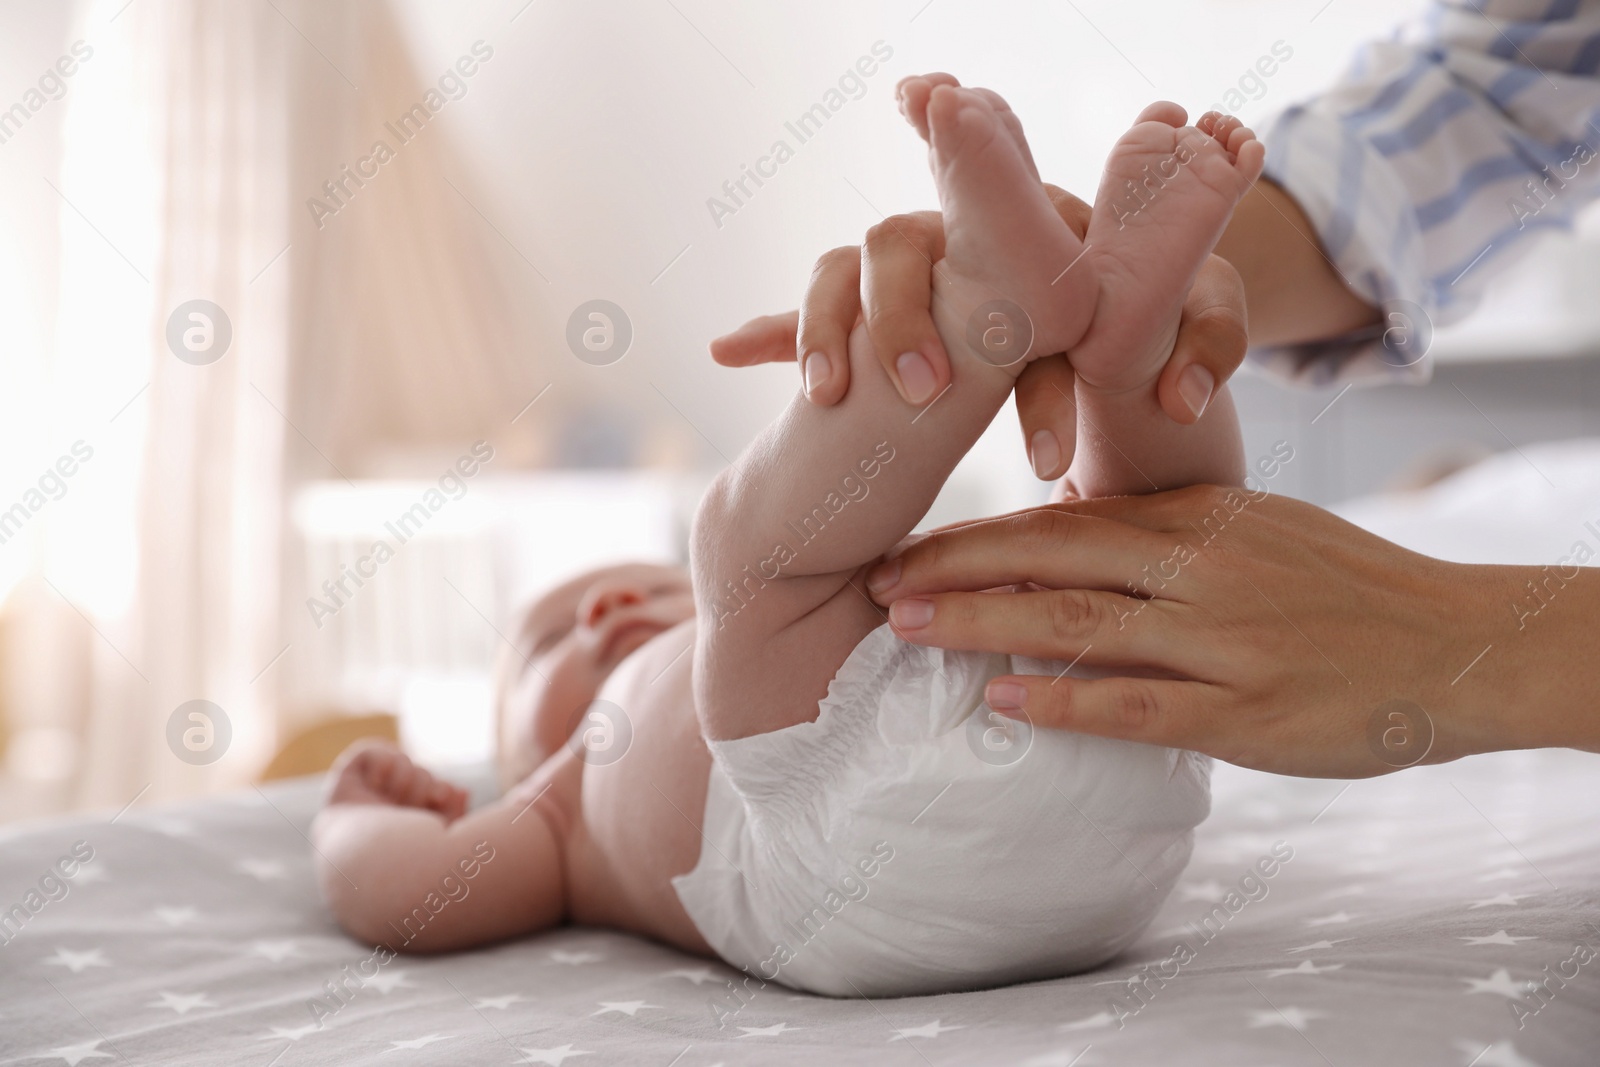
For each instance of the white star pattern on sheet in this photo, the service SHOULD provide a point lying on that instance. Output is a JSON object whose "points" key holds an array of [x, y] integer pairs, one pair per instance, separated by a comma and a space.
{"points": [[626, 1007], [552, 1057], [182, 1003], [387, 982], [417, 1042], [1321, 944], [276, 951], [77, 961], [1305, 967], [1500, 899], [1089, 1022], [76, 1054], [1329, 920], [575, 959], [171, 827], [1293, 1018], [500, 1003], [692, 974], [933, 1029], [1499, 937], [90, 873], [261, 870], [281, 1033], [1499, 982], [1499, 1054], [177, 916], [768, 1031]]}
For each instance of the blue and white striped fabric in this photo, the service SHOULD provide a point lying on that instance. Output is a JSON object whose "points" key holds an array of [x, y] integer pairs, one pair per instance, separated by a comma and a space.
{"points": [[1437, 158]]}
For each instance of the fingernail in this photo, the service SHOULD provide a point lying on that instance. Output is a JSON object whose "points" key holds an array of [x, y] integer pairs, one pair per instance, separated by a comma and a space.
{"points": [[883, 576], [1195, 385], [1044, 450], [916, 376], [911, 614], [1006, 696], [816, 370]]}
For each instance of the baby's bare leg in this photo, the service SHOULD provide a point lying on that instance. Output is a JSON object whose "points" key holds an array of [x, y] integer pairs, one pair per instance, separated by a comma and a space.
{"points": [[411, 879]]}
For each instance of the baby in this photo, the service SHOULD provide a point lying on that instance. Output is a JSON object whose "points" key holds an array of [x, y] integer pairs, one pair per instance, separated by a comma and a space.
{"points": [[754, 766]]}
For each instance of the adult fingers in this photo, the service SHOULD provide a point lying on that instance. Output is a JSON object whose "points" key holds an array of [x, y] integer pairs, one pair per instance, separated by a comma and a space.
{"points": [[1046, 408], [765, 339], [1072, 625], [1047, 546], [827, 315], [1212, 337], [1152, 710], [897, 261], [1048, 411], [1073, 210]]}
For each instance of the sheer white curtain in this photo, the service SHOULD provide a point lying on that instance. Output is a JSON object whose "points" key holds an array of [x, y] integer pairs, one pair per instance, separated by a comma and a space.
{"points": [[174, 189], [156, 576], [191, 141]]}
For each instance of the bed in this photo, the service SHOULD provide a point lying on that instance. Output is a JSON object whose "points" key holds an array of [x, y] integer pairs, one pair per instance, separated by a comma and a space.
{"points": [[1403, 921]]}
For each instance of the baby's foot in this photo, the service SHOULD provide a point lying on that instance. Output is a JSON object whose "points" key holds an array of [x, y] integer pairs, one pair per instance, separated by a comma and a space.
{"points": [[1166, 196], [1004, 240], [375, 772]]}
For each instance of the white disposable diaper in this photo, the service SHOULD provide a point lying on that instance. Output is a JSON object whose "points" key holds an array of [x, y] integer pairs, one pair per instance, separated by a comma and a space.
{"points": [[899, 844]]}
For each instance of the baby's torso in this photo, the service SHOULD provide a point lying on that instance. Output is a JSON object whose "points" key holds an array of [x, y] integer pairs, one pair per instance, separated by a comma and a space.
{"points": [[641, 793]]}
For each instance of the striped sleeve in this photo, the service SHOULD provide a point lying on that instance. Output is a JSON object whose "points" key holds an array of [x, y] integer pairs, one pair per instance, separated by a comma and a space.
{"points": [[1433, 163]]}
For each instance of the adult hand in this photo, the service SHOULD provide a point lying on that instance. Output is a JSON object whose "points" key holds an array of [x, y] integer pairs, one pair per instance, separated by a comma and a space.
{"points": [[888, 280], [1260, 630]]}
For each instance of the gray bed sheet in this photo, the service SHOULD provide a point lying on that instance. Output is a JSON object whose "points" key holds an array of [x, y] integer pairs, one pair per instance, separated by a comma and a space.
{"points": [[1404, 927]]}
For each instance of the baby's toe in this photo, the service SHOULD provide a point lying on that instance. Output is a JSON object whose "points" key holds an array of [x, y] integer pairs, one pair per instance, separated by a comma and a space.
{"points": [[960, 121], [913, 93], [1011, 124], [1165, 112], [1238, 135]]}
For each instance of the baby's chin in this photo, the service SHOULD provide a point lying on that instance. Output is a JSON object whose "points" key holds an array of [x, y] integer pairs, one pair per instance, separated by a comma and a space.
{"points": [[654, 676]]}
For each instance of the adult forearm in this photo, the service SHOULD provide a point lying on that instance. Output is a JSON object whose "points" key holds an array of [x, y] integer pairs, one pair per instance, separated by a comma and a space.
{"points": [[1538, 685], [1292, 290]]}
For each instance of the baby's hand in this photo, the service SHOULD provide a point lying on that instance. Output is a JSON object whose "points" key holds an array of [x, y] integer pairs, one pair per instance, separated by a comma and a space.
{"points": [[376, 772]]}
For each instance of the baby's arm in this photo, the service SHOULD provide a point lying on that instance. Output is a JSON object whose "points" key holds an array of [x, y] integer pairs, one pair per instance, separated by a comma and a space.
{"points": [[413, 879]]}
